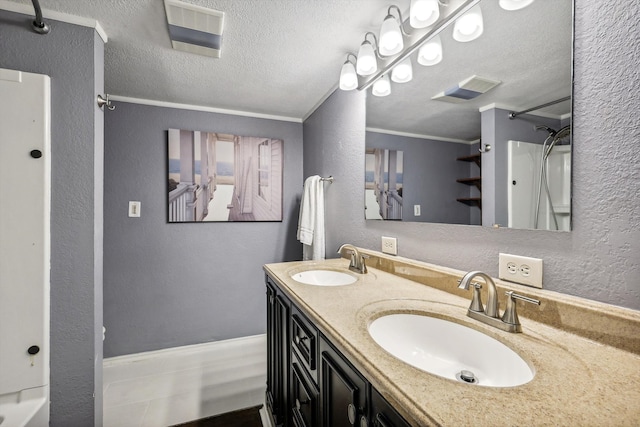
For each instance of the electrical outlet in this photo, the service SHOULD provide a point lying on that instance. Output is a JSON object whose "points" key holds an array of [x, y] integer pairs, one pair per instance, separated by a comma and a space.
{"points": [[520, 269], [134, 209], [390, 245]]}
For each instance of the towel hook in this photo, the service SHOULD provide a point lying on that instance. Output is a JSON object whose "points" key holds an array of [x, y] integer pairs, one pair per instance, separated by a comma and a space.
{"points": [[486, 149], [102, 101]]}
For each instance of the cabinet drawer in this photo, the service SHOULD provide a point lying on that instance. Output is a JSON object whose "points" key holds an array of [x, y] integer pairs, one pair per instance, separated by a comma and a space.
{"points": [[304, 341], [304, 397]]}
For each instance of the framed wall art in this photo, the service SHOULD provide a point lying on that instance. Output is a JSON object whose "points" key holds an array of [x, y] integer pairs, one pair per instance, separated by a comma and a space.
{"points": [[219, 177]]}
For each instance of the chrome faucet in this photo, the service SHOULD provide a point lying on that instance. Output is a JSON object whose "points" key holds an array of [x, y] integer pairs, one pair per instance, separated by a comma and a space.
{"points": [[491, 314], [492, 296], [357, 263]]}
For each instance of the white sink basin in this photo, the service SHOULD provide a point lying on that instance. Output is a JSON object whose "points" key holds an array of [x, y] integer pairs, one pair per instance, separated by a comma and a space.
{"points": [[446, 349], [324, 278]]}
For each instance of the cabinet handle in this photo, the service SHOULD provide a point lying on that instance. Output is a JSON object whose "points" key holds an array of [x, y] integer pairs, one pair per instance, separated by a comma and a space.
{"points": [[351, 412]]}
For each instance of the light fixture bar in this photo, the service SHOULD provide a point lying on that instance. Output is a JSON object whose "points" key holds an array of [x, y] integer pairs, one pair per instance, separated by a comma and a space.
{"points": [[432, 32]]}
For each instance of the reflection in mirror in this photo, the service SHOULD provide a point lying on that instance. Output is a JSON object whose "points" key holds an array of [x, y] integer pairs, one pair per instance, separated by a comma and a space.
{"points": [[448, 111], [384, 175]]}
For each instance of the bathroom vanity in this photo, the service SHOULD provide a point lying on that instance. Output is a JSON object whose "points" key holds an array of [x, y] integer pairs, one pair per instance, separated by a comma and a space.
{"points": [[325, 369], [309, 381]]}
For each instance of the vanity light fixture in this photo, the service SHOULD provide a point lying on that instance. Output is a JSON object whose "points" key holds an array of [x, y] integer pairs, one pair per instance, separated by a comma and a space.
{"points": [[514, 4], [387, 58], [366, 62], [382, 86], [469, 26], [403, 72], [391, 33], [348, 76], [423, 13], [430, 53]]}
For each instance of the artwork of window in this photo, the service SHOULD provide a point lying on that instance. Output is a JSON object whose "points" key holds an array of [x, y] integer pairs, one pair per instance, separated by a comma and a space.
{"points": [[218, 177], [384, 173]]}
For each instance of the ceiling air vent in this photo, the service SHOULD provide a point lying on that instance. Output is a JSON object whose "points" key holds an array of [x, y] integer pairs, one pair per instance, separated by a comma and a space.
{"points": [[194, 29], [467, 89]]}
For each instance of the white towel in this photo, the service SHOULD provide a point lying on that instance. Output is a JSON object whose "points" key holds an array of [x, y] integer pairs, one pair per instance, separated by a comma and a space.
{"points": [[311, 219]]}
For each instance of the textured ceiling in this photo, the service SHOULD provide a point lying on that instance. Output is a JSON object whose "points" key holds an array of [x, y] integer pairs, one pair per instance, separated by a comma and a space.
{"points": [[282, 57], [528, 50]]}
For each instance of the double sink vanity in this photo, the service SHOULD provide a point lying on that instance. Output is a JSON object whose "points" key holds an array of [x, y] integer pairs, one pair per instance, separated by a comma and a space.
{"points": [[394, 346]]}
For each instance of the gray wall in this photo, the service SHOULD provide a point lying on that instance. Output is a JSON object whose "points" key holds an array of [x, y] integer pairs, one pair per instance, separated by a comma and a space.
{"points": [[600, 258], [168, 285], [69, 54], [334, 145], [430, 174]]}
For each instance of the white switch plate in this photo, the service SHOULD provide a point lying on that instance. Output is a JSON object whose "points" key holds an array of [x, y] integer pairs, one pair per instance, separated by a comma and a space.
{"points": [[416, 210], [390, 245], [134, 209], [520, 269]]}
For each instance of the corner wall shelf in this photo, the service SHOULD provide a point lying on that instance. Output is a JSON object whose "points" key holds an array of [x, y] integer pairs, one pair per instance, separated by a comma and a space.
{"points": [[476, 158], [475, 180], [471, 201]]}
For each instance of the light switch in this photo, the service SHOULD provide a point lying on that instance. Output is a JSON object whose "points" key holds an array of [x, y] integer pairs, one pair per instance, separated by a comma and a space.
{"points": [[416, 210], [134, 209]]}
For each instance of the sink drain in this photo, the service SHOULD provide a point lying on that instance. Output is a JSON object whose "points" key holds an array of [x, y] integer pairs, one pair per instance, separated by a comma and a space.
{"points": [[467, 377]]}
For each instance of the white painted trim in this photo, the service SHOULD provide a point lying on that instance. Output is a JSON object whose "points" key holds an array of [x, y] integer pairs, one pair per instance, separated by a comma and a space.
{"points": [[182, 384], [202, 108], [415, 135], [27, 9], [182, 351], [264, 417], [320, 102]]}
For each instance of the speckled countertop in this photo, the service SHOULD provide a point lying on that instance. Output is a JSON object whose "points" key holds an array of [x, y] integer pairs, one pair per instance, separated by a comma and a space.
{"points": [[578, 381]]}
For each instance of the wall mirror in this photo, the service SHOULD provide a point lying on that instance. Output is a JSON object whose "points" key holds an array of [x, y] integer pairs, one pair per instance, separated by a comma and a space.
{"points": [[465, 160]]}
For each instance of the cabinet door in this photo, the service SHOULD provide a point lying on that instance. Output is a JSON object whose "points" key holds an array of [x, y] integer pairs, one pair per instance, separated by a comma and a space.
{"points": [[383, 414], [271, 349], [304, 396], [343, 391], [278, 307]]}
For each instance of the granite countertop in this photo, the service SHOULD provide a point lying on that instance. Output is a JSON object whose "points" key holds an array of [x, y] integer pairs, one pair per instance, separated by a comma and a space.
{"points": [[578, 381]]}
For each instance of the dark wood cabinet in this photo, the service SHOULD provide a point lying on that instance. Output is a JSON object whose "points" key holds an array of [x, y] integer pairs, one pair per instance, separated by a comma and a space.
{"points": [[304, 342], [343, 391], [304, 396], [383, 414], [278, 309], [310, 383]]}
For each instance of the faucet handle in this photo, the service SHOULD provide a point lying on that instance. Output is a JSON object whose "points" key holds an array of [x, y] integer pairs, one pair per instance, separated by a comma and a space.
{"points": [[476, 300], [364, 257], [510, 314]]}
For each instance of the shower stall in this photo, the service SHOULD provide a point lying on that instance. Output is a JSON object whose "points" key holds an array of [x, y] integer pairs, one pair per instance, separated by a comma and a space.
{"points": [[539, 183], [25, 188]]}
